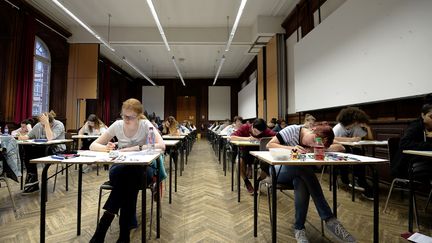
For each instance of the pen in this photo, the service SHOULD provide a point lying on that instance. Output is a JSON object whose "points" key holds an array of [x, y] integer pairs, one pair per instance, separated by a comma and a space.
{"points": [[84, 155], [57, 157]]}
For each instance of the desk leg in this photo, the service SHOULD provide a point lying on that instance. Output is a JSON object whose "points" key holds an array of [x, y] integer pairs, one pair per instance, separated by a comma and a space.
{"points": [[158, 201], [170, 175], [353, 184], [144, 209], [182, 154], [79, 198], [255, 172], [43, 201], [175, 169], [238, 176], [274, 204], [334, 174], [376, 205], [233, 158], [67, 177], [224, 160]]}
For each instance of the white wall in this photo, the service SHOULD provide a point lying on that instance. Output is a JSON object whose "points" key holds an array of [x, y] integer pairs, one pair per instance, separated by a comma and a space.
{"points": [[366, 51], [247, 101], [219, 102], [153, 99]]}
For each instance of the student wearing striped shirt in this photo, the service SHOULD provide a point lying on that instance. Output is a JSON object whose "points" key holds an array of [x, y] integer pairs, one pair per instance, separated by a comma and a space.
{"points": [[303, 178]]}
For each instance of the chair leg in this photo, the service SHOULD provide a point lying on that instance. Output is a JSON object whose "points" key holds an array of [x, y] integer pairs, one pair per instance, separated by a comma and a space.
{"points": [[416, 213], [10, 195], [388, 196], [322, 227], [322, 173], [99, 206], [428, 201], [269, 204]]}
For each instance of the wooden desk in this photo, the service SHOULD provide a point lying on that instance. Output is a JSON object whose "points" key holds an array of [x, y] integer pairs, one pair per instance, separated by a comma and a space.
{"points": [[183, 144], [351, 160], [411, 192], [91, 157], [237, 144]]}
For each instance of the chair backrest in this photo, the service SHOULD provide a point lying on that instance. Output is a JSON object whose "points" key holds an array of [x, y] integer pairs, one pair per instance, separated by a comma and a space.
{"points": [[263, 143], [393, 148]]}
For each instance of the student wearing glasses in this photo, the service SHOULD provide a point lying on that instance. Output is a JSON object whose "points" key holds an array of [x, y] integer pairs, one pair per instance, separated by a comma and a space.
{"points": [[126, 180], [303, 178]]}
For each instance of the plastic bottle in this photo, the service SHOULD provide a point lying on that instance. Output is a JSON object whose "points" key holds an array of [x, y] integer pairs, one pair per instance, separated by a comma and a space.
{"points": [[319, 150], [6, 130], [151, 140]]}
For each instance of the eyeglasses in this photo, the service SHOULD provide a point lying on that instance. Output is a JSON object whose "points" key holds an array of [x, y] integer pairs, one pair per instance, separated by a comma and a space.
{"points": [[129, 118]]}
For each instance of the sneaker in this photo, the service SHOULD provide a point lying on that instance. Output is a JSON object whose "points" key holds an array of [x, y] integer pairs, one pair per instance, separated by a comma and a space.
{"points": [[356, 186], [300, 236], [338, 231], [31, 189], [368, 194], [31, 179], [249, 186]]}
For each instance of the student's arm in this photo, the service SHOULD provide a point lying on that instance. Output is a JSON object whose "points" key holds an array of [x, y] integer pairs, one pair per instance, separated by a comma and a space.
{"points": [[103, 143], [369, 135], [81, 131], [44, 120], [238, 138], [275, 143], [346, 139]]}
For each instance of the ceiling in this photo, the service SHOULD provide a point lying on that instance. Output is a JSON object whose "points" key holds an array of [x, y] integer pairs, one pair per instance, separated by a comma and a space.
{"points": [[196, 30]]}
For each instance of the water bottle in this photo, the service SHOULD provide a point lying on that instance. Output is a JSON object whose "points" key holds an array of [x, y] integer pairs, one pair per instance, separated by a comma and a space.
{"points": [[319, 150], [6, 130], [151, 140]]}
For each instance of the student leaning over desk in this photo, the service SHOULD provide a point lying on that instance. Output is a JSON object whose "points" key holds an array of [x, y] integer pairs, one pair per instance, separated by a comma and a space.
{"points": [[47, 128], [303, 178], [131, 132]]}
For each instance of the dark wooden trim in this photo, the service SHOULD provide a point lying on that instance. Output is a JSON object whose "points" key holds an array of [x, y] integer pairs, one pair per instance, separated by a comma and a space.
{"points": [[302, 16]]}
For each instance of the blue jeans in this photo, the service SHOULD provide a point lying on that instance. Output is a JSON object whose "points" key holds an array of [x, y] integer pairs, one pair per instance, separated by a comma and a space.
{"points": [[305, 185], [126, 180]]}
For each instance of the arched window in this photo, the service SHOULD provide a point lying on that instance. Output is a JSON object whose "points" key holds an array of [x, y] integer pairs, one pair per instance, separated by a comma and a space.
{"points": [[41, 79]]}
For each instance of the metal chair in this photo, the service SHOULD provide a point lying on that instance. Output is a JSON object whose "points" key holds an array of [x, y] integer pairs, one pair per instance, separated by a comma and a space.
{"points": [[4, 178], [108, 187], [398, 183]]}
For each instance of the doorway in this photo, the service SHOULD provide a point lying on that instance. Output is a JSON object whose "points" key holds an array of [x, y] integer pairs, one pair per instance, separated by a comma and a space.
{"points": [[186, 109]]}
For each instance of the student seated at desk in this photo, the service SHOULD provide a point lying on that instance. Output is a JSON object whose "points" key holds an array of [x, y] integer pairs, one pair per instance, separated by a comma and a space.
{"points": [[171, 127], [418, 136], [309, 121], [126, 180], [23, 129], [93, 126], [303, 178], [228, 130], [352, 127], [47, 128], [250, 132]]}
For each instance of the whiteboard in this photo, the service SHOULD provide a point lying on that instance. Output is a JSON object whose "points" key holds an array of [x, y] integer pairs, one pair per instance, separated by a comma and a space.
{"points": [[219, 102], [153, 98], [366, 51], [247, 102]]}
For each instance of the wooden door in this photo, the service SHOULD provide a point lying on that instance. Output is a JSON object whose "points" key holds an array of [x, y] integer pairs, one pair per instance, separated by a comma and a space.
{"points": [[186, 109]]}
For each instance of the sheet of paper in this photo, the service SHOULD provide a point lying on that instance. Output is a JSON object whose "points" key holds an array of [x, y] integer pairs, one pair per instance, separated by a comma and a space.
{"points": [[420, 238]]}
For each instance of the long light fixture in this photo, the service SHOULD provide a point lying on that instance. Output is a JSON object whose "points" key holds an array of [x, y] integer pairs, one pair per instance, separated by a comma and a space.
{"points": [[84, 25], [236, 22], [219, 69], [156, 19], [138, 71], [178, 70], [231, 37]]}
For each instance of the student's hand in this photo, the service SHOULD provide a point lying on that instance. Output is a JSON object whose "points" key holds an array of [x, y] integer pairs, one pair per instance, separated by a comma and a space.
{"points": [[356, 139], [300, 149], [110, 146], [43, 119], [252, 139]]}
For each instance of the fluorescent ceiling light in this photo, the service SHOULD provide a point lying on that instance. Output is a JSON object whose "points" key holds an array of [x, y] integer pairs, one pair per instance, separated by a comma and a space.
{"points": [[236, 22], [84, 25], [139, 71], [156, 19], [178, 71], [219, 68]]}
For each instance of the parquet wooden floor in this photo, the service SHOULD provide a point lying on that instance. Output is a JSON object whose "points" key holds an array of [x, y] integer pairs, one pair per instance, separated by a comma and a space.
{"points": [[203, 210]]}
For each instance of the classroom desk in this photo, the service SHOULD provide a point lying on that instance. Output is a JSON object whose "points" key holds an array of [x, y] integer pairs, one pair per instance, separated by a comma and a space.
{"points": [[237, 144], [80, 137], [91, 157], [265, 156], [411, 195], [366, 143], [225, 141], [183, 145], [47, 145], [172, 146]]}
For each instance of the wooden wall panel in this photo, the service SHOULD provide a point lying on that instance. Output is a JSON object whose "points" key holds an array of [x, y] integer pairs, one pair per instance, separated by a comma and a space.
{"points": [[186, 108], [271, 80]]}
